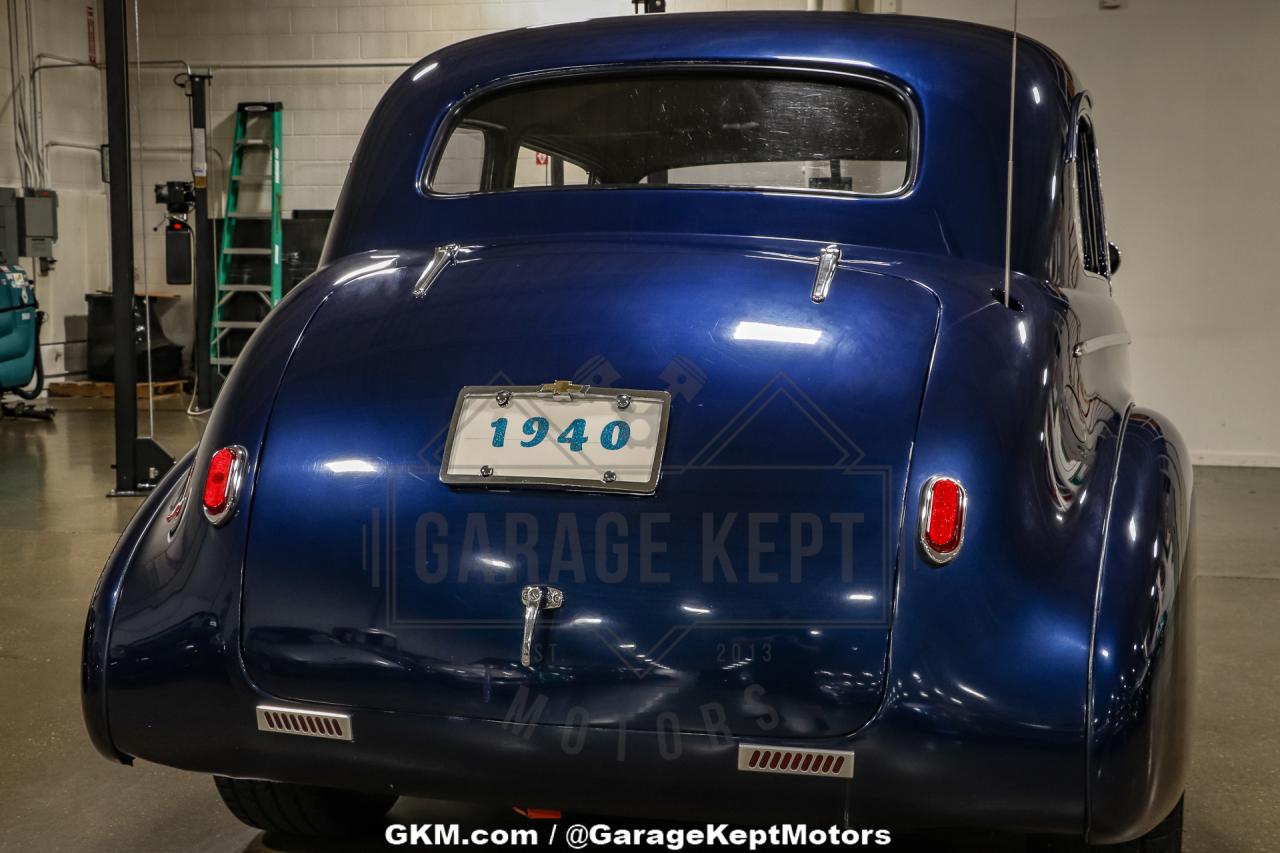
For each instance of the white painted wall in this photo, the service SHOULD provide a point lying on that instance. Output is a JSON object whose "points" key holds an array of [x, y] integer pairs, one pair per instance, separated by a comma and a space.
{"points": [[1181, 88], [1184, 95], [73, 113]]}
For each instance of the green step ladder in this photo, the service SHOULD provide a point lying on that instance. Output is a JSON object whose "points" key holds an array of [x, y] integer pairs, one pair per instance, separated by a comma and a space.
{"points": [[241, 304]]}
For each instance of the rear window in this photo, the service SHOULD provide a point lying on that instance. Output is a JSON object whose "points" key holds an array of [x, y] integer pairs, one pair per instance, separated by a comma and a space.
{"points": [[706, 129]]}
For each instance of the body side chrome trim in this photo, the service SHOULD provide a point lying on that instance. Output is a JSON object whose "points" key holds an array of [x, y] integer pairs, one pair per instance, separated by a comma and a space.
{"points": [[1085, 347]]}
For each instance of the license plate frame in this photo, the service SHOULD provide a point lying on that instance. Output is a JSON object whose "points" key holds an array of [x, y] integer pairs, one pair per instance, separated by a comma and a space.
{"points": [[636, 481]]}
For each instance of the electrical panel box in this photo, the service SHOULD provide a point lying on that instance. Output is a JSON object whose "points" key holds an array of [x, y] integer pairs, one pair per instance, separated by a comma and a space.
{"points": [[10, 250], [38, 223]]}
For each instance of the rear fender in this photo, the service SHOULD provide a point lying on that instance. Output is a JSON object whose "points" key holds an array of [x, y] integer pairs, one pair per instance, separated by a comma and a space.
{"points": [[1141, 657], [97, 628], [156, 586]]}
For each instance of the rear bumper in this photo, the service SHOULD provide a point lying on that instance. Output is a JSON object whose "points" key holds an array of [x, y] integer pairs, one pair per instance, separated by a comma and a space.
{"points": [[904, 774], [600, 770], [595, 771]]}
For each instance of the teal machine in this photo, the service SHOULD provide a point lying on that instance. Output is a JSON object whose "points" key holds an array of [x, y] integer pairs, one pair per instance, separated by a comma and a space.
{"points": [[20, 318]]}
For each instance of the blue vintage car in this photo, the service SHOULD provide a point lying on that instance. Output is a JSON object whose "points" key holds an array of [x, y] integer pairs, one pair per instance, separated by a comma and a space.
{"points": [[662, 435]]}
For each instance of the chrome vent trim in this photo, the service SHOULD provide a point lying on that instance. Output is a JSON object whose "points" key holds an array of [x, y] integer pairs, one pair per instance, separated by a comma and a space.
{"points": [[294, 721], [831, 763]]}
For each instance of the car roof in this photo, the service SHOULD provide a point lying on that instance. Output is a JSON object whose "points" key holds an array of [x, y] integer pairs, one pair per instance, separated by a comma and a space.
{"points": [[957, 75]]}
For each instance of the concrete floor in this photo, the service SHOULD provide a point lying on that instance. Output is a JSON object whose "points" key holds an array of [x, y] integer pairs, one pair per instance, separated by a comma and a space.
{"points": [[56, 793]]}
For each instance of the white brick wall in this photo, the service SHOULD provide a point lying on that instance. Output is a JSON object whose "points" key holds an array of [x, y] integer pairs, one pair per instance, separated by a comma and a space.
{"points": [[325, 109]]}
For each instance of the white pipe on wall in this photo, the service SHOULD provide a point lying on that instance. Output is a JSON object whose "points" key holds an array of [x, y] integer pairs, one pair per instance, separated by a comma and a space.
{"points": [[49, 61]]}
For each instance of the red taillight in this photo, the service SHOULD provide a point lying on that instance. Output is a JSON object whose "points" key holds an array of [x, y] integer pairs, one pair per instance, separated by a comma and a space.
{"points": [[942, 519], [222, 483]]}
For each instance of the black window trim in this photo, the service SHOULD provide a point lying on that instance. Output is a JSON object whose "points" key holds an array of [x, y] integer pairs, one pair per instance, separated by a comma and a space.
{"points": [[1082, 116], [890, 86]]}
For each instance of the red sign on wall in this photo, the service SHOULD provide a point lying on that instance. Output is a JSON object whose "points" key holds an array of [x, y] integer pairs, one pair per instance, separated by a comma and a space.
{"points": [[540, 159], [91, 22]]}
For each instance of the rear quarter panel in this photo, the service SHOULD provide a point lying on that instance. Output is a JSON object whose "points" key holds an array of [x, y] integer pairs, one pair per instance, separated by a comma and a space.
{"points": [[166, 609], [988, 668], [1140, 684]]}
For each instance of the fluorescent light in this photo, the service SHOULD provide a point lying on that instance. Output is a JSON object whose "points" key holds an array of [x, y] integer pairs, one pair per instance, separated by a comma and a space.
{"points": [[689, 608], [351, 466], [861, 596], [749, 331]]}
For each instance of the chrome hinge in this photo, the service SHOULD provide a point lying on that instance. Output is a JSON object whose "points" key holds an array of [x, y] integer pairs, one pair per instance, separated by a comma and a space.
{"points": [[828, 260], [440, 260]]}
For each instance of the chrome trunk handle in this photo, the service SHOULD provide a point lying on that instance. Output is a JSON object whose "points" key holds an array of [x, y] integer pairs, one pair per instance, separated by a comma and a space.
{"points": [[535, 599]]}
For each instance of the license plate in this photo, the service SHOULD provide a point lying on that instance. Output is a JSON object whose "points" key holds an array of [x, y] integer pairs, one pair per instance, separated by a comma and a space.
{"points": [[557, 436]]}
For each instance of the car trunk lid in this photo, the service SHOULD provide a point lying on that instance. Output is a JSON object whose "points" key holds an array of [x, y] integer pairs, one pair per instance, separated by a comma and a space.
{"points": [[751, 592]]}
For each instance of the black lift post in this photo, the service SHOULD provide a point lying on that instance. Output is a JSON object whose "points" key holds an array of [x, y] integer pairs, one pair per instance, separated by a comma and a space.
{"points": [[204, 277], [140, 462]]}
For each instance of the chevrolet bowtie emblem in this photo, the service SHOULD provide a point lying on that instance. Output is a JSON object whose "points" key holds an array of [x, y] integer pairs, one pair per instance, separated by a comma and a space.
{"points": [[562, 389], [535, 599]]}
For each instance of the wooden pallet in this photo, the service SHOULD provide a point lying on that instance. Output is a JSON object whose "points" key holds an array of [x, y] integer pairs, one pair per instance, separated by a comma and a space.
{"points": [[156, 390]]}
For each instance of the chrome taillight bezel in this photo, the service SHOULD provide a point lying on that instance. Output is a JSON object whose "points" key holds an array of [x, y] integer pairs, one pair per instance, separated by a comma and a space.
{"points": [[934, 555], [235, 484]]}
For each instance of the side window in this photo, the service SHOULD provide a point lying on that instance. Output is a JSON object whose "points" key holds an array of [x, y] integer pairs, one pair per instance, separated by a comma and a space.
{"points": [[538, 169], [461, 165], [1092, 230]]}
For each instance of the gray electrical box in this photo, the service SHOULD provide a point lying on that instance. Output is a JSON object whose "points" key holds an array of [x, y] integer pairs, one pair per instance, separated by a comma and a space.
{"points": [[38, 223], [10, 250]]}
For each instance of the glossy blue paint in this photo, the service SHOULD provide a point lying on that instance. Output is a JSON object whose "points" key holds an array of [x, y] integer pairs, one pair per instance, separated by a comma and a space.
{"points": [[1140, 685], [964, 691], [784, 439]]}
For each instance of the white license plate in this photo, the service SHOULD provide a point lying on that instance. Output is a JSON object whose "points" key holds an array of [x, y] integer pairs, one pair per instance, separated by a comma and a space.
{"points": [[557, 435]]}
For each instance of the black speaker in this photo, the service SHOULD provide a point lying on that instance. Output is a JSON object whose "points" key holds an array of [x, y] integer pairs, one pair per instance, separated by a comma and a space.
{"points": [[177, 252]]}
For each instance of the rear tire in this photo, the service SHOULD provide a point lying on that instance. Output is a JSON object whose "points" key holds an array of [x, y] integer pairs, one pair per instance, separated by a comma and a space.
{"points": [[303, 809]]}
